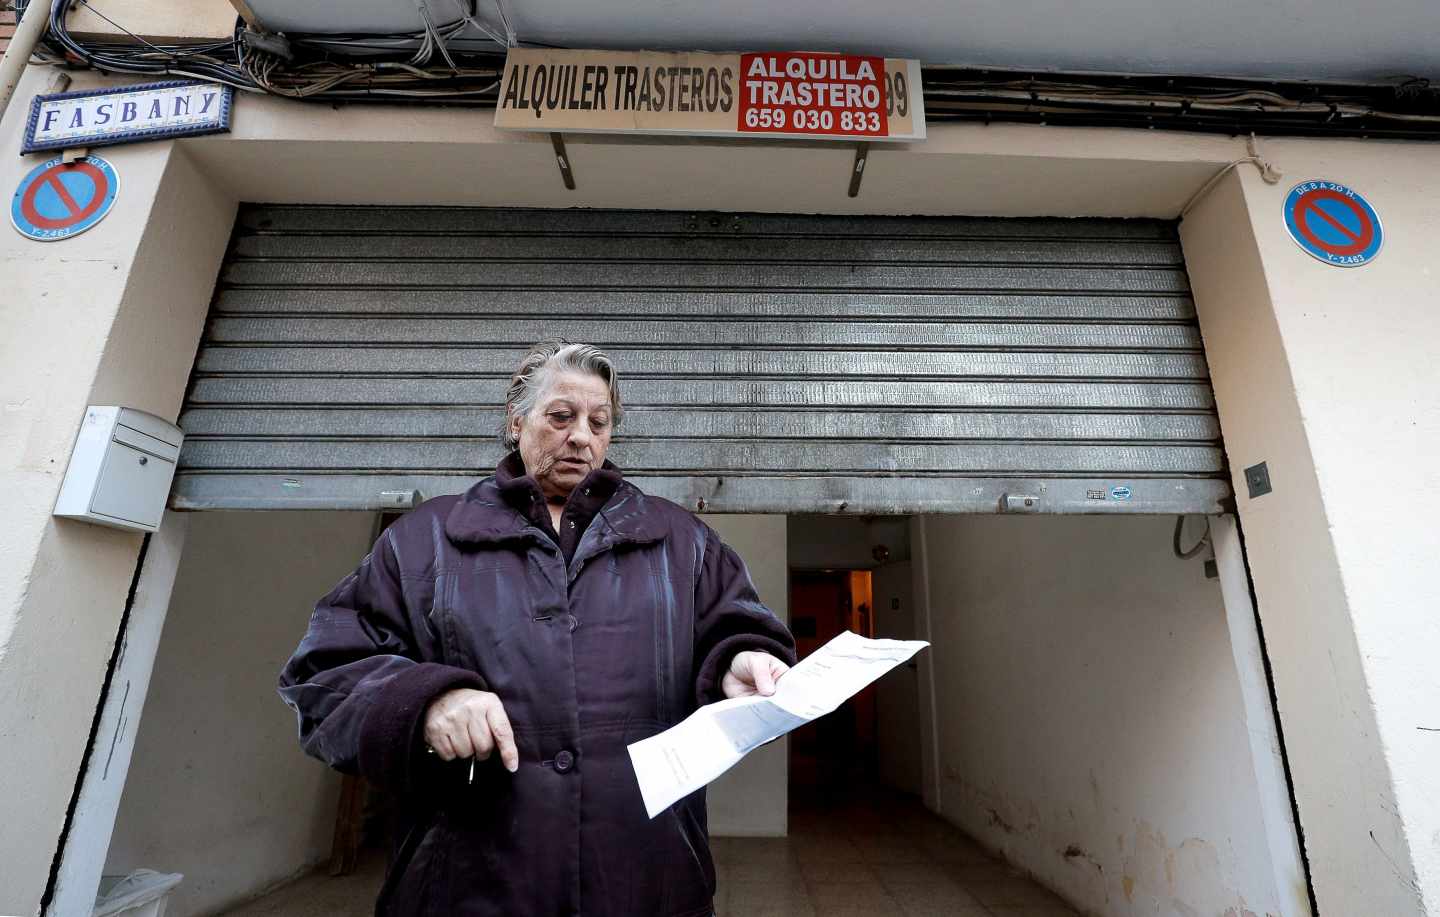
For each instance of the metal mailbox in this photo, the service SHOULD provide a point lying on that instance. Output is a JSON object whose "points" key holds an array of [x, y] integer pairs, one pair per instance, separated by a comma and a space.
{"points": [[121, 469]]}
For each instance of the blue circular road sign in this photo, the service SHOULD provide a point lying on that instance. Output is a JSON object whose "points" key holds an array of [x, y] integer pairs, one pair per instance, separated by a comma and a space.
{"points": [[61, 199], [1333, 223]]}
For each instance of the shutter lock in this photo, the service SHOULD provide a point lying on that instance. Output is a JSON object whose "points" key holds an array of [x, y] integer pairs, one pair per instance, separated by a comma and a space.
{"points": [[1019, 503]]}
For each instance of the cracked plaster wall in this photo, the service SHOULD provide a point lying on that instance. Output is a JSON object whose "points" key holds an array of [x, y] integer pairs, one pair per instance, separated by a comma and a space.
{"points": [[1091, 726]]}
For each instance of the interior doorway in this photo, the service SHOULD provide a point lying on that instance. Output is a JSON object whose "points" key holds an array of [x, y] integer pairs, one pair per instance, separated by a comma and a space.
{"points": [[831, 752]]}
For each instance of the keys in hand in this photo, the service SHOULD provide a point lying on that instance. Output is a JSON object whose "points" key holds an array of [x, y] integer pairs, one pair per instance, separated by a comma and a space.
{"points": [[465, 723]]}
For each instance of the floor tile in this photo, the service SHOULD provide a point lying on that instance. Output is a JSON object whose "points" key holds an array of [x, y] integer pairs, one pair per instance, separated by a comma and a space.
{"points": [[778, 869], [756, 848], [852, 898], [928, 899], [827, 850], [891, 849], [1058, 909], [953, 850], [970, 873], [819, 872], [917, 873], [1010, 892], [768, 898], [862, 854]]}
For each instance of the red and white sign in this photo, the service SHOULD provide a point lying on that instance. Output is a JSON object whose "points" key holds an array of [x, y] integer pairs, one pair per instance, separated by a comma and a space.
{"points": [[815, 95], [1333, 223], [59, 199], [799, 93]]}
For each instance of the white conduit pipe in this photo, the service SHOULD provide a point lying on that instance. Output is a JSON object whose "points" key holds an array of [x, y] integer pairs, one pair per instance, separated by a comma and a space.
{"points": [[27, 35]]}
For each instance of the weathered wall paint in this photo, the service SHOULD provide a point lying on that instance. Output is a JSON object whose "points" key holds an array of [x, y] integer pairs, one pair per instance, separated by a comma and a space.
{"points": [[752, 799], [159, 20], [82, 861], [847, 542], [1328, 375], [219, 789], [110, 317], [897, 694], [1089, 716]]}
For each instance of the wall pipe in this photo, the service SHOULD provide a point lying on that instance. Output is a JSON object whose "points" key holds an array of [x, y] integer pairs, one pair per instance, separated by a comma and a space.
{"points": [[27, 36]]}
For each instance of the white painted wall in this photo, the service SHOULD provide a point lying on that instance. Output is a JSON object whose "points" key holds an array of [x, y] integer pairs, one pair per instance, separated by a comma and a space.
{"points": [[1090, 721], [752, 799], [930, 782], [87, 841], [219, 789], [1329, 375], [897, 694], [846, 542], [111, 317]]}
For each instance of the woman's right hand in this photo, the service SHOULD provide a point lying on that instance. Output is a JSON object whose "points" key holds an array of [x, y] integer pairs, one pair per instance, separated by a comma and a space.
{"points": [[466, 723]]}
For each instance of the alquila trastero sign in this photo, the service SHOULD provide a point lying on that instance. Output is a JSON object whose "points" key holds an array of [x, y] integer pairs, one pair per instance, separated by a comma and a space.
{"points": [[775, 94]]}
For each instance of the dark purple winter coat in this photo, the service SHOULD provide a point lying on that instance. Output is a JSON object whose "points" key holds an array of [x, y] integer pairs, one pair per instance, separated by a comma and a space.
{"points": [[621, 642]]}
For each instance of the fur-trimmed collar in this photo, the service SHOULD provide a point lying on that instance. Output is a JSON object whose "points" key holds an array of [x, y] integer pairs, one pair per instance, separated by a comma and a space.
{"points": [[487, 513]]}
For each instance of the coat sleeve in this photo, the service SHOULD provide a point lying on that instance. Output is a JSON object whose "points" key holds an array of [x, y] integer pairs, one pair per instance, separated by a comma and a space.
{"points": [[358, 681], [730, 618]]}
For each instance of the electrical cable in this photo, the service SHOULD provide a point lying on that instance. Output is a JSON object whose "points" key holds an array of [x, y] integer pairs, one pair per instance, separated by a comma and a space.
{"points": [[1268, 174], [206, 60], [1200, 545], [452, 61]]}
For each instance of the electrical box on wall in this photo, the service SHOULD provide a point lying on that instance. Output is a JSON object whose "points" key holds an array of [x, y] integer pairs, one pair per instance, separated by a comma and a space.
{"points": [[121, 469]]}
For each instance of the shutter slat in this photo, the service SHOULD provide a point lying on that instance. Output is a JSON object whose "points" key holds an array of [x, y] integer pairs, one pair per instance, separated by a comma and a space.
{"points": [[769, 363]]}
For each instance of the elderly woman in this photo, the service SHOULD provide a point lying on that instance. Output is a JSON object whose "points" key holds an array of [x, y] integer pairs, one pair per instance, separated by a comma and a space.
{"points": [[537, 624]]}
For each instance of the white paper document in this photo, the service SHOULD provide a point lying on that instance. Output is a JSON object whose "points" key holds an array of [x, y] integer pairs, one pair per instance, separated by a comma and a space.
{"points": [[713, 739]]}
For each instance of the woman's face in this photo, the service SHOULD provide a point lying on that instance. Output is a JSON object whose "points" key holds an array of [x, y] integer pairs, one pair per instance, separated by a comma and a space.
{"points": [[567, 435]]}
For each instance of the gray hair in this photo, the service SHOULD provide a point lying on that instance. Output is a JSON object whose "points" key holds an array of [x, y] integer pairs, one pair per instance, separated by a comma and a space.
{"points": [[539, 366]]}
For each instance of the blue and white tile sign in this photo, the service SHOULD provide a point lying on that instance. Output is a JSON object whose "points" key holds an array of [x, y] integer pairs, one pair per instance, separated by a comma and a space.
{"points": [[154, 111]]}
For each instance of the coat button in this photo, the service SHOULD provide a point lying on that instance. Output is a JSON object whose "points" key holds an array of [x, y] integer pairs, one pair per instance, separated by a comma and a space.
{"points": [[564, 760]]}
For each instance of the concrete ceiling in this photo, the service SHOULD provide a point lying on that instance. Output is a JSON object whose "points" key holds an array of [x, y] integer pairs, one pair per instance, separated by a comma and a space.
{"points": [[1342, 40]]}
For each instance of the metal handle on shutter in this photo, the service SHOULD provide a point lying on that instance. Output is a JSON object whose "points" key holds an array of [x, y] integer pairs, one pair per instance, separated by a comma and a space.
{"points": [[1019, 503]]}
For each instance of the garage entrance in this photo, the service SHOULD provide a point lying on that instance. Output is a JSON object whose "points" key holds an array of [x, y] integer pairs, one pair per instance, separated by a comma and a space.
{"points": [[914, 380]]}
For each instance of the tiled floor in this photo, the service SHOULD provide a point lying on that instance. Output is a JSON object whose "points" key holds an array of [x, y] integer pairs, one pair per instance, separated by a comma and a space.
{"points": [[867, 853], [871, 853], [320, 895]]}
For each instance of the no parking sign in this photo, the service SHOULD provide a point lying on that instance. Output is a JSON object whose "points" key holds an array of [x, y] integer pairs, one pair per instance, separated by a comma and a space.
{"points": [[61, 199], [1333, 223]]}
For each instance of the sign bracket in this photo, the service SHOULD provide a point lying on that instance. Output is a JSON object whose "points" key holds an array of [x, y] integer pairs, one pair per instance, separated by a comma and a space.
{"points": [[563, 160], [857, 171]]}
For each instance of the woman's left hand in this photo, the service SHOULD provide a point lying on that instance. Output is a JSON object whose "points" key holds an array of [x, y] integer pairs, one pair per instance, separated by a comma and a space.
{"points": [[752, 672]]}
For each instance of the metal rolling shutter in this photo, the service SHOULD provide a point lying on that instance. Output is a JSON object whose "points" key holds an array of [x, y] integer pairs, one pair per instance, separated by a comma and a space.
{"points": [[355, 356]]}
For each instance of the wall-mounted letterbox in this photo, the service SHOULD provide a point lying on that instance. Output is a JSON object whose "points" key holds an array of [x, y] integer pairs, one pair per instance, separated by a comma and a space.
{"points": [[121, 469]]}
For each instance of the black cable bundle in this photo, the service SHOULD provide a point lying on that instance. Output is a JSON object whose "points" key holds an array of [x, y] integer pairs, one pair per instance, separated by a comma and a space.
{"points": [[216, 61], [430, 65]]}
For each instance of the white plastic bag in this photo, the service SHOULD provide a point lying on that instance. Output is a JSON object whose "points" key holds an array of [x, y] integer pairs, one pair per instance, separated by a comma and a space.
{"points": [[143, 893]]}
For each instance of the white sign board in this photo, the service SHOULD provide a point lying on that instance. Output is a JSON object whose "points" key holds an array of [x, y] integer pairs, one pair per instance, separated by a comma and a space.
{"points": [[814, 95]]}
